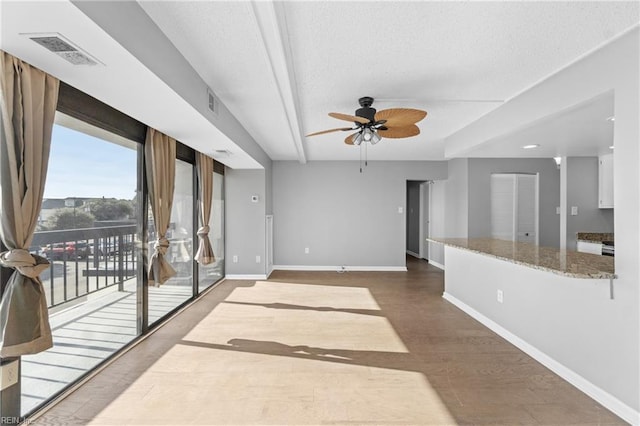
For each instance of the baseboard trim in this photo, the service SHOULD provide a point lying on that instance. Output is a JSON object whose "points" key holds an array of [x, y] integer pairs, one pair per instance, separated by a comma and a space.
{"points": [[252, 277], [436, 264], [414, 254], [610, 402], [340, 268]]}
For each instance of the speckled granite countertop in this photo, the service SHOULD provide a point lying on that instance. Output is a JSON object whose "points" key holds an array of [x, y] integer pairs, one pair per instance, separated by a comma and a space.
{"points": [[594, 237], [569, 263]]}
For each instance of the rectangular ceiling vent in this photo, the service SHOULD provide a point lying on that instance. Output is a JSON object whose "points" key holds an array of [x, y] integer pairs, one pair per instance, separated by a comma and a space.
{"points": [[62, 47], [221, 153], [213, 102]]}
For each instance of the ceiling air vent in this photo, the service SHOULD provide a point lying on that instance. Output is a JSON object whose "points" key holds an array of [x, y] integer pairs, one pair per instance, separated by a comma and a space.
{"points": [[213, 102], [221, 153], [62, 47]]}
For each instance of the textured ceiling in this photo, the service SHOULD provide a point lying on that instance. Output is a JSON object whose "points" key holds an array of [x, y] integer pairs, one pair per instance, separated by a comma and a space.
{"points": [[580, 131], [281, 67], [457, 60]]}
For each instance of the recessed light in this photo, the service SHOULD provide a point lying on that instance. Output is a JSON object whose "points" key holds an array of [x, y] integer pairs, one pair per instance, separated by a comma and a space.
{"points": [[611, 147], [612, 118], [530, 146]]}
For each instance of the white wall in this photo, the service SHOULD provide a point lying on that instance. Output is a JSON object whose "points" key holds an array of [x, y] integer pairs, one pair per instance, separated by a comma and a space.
{"points": [[582, 192], [535, 309], [343, 216], [245, 222], [438, 217], [457, 199], [615, 66]]}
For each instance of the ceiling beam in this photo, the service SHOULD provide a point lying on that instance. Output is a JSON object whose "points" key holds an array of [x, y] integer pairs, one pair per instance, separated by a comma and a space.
{"points": [[274, 37]]}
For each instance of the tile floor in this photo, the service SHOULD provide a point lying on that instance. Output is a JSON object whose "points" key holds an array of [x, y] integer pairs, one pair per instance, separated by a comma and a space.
{"points": [[327, 348]]}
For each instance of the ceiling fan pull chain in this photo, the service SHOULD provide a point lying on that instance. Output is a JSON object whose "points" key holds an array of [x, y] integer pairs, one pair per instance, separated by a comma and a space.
{"points": [[360, 158], [366, 163]]}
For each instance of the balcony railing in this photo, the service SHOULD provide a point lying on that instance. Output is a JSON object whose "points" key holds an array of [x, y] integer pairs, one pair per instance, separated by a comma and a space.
{"points": [[87, 260]]}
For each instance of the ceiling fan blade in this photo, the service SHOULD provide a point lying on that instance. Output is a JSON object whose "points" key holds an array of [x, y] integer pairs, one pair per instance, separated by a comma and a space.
{"points": [[399, 117], [349, 139], [330, 130], [400, 132], [347, 117]]}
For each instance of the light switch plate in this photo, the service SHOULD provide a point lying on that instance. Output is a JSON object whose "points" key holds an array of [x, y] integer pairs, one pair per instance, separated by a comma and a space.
{"points": [[400, 210], [574, 210]]}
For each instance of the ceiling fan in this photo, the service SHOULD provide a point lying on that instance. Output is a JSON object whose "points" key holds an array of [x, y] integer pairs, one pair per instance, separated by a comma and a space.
{"points": [[371, 125]]}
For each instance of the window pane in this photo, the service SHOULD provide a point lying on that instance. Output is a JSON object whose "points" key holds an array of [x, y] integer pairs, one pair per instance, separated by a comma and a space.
{"points": [[86, 228], [178, 289], [209, 274]]}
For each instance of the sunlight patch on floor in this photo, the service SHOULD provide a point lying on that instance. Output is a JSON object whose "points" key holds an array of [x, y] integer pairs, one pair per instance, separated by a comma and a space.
{"points": [[281, 353], [322, 318]]}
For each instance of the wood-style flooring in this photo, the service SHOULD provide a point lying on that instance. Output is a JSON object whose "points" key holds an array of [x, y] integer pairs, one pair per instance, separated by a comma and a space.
{"points": [[378, 348]]}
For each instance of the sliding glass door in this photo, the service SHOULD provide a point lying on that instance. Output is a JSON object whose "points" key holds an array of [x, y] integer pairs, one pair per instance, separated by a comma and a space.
{"points": [[210, 274], [97, 232], [86, 229], [178, 289]]}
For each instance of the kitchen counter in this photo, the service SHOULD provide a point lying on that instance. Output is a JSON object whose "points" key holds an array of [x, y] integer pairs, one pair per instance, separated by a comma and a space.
{"points": [[594, 237], [561, 262]]}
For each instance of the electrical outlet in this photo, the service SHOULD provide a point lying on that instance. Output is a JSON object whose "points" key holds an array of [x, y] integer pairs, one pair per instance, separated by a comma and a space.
{"points": [[235, 259], [500, 296], [257, 259], [306, 250], [9, 375]]}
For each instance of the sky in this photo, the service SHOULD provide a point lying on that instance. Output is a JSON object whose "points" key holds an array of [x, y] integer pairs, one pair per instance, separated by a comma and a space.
{"points": [[84, 166]]}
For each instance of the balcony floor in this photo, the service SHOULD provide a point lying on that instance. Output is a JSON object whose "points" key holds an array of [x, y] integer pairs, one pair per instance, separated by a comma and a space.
{"points": [[87, 333]]}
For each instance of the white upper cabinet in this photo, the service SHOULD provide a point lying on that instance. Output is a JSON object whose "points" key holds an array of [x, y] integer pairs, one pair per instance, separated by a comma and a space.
{"points": [[605, 181]]}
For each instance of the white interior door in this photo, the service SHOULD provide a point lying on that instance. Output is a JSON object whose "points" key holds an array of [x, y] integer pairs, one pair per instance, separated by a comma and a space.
{"points": [[527, 209], [514, 207], [503, 206]]}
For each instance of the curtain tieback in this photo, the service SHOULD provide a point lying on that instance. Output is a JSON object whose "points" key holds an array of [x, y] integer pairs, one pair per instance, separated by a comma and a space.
{"points": [[204, 231], [24, 262], [161, 246]]}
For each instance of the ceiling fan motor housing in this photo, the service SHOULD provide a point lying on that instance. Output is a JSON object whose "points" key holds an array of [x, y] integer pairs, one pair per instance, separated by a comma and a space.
{"points": [[366, 111]]}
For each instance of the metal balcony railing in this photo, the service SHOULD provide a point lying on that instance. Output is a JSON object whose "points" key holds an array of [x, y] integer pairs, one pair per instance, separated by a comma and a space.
{"points": [[87, 260]]}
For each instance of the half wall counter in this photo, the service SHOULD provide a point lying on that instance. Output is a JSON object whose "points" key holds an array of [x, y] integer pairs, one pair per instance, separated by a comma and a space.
{"points": [[562, 262], [555, 305]]}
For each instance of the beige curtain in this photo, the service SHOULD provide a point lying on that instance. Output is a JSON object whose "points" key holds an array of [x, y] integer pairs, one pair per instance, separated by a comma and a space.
{"points": [[160, 158], [204, 165], [28, 100]]}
